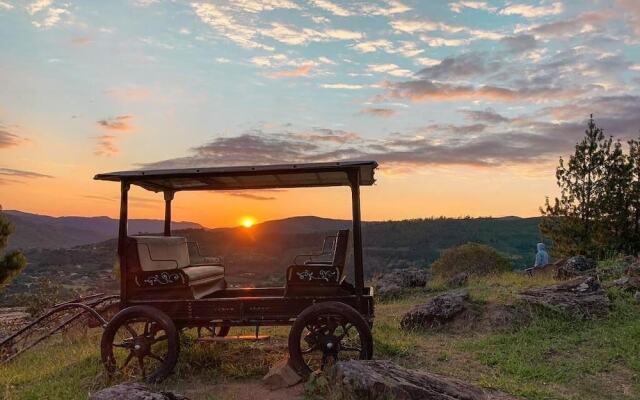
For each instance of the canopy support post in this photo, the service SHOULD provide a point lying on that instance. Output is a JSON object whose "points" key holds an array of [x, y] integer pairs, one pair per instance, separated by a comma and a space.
{"points": [[354, 179], [168, 197], [124, 216], [122, 236]]}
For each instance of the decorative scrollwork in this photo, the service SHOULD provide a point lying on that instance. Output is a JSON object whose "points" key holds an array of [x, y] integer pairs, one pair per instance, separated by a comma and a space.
{"points": [[162, 278], [326, 275]]}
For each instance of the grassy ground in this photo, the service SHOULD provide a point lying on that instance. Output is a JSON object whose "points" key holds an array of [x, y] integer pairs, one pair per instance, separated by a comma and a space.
{"points": [[551, 357]]}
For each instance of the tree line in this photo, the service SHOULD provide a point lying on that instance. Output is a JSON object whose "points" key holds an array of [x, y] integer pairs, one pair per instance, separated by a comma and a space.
{"points": [[598, 211]]}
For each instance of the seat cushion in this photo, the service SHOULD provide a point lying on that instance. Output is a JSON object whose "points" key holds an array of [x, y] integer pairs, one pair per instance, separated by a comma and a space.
{"points": [[203, 272], [158, 253]]}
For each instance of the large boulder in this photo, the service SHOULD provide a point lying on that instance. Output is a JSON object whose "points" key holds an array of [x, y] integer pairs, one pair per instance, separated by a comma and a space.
{"points": [[391, 284], [581, 297], [134, 391], [576, 266], [378, 380], [436, 311]]}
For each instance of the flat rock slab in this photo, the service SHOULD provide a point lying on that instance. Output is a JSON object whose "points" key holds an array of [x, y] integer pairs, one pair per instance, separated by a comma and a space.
{"points": [[378, 380], [437, 311], [134, 391], [391, 284], [581, 298], [281, 375]]}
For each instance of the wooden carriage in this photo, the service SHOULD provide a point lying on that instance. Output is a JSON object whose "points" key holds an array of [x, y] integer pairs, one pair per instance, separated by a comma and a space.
{"points": [[163, 291]]}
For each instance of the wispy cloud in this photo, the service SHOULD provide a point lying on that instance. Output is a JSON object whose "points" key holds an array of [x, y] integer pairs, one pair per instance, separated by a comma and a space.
{"points": [[8, 139], [391, 69], [107, 144], [379, 112], [345, 86], [458, 6], [531, 11], [120, 123], [49, 15], [302, 70], [10, 175], [333, 8], [250, 196]]}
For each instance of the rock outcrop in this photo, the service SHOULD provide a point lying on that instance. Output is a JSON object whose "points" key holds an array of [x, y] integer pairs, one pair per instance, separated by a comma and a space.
{"points": [[134, 391], [374, 379], [437, 311], [576, 266], [391, 284], [581, 298], [628, 283]]}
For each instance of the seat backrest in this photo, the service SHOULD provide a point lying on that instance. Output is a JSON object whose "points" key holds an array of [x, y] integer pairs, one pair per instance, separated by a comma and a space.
{"points": [[343, 239], [162, 252]]}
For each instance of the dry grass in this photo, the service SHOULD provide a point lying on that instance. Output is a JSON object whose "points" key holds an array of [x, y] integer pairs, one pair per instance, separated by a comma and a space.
{"points": [[550, 358]]}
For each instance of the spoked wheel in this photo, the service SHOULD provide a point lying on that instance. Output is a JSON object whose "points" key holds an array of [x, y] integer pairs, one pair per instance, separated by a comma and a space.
{"points": [[140, 342], [328, 332]]}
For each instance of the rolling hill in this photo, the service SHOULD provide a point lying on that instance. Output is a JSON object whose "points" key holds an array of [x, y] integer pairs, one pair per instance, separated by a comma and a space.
{"points": [[46, 232]]}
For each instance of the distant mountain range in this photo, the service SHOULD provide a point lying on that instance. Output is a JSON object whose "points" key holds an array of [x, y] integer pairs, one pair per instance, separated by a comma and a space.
{"points": [[45, 232], [84, 250]]}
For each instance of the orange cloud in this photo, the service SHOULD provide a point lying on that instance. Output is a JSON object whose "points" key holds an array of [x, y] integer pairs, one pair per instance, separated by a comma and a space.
{"points": [[106, 144], [302, 70], [120, 123]]}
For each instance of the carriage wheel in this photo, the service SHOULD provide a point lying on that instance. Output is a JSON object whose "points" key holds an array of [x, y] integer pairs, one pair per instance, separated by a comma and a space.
{"points": [[328, 332], [140, 342]]}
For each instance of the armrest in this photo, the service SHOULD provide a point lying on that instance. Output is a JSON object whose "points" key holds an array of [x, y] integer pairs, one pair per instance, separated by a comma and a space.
{"points": [[312, 263], [217, 260], [323, 252], [309, 258]]}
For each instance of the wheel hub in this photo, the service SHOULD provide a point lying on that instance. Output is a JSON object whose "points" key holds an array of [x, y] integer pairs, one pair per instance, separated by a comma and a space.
{"points": [[329, 344], [141, 346]]}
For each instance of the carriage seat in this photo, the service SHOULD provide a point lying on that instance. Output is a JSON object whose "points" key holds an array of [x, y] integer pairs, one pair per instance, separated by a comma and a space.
{"points": [[162, 253]]}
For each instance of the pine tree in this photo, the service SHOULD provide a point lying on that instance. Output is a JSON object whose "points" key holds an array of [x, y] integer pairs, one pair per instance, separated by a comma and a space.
{"points": [[573, 220], [615, 205], [13, 262], [634, 194]]}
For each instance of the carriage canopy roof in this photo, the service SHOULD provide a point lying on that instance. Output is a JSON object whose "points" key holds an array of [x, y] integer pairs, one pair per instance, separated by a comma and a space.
{"points": [[247, 177]]}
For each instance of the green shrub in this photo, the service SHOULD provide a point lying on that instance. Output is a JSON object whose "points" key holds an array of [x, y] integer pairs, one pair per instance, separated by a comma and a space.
{"points": [[473, 258]]}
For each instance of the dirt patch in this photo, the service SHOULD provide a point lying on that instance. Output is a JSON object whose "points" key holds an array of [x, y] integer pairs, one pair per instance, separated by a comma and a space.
{"points": [[240, 390]]}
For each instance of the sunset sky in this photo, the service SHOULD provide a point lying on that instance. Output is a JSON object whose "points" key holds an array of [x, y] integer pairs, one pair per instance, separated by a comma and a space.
{"points": [[466, 105]]}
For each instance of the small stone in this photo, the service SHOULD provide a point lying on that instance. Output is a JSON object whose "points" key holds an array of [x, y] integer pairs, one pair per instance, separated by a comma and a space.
{"points": [[281, 375], [637, 296]]}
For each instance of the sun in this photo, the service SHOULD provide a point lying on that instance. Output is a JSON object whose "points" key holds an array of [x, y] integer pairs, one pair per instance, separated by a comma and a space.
{"points": [[247, 221]]}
